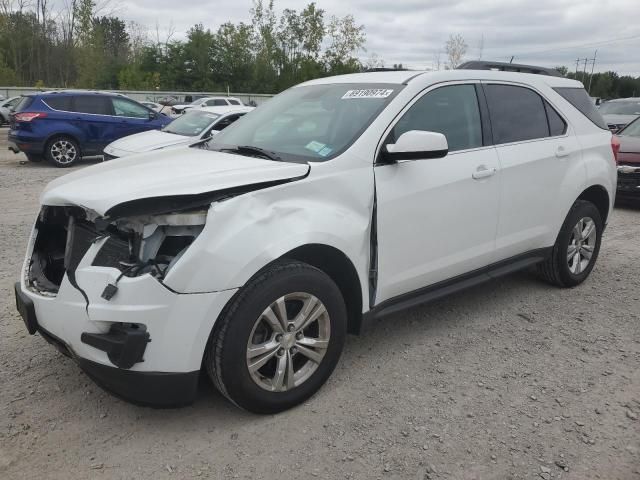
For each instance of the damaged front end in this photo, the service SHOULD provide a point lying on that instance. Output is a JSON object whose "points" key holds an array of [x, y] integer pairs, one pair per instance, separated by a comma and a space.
{"points": [[136, 245]]}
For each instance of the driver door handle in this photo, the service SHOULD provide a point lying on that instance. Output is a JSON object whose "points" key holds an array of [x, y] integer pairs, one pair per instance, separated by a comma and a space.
{"points": [[483, 172]]}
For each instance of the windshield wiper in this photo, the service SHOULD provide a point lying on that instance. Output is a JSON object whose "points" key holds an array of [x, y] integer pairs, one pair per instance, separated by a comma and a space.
{"points": [[243, 149]]}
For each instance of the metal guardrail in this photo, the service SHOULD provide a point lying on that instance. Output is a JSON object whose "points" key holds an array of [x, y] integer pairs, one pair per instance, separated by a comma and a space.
{"points": [[150, 95]]}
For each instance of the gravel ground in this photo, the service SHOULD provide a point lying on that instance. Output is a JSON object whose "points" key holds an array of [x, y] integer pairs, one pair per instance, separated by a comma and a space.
{"points": [[512, 379]]}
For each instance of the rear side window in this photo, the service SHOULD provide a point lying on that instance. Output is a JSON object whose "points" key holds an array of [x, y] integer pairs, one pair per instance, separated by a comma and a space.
{"points": [[94, 104], [517, 113], [23, 104], [59, 103], [579, 98]]}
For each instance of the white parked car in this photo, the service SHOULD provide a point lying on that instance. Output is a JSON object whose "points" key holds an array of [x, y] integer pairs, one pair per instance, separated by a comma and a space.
{"points": [[620, 112], [340, 200], [5, 108], [157, 107], [192, 127], [207, 102]]}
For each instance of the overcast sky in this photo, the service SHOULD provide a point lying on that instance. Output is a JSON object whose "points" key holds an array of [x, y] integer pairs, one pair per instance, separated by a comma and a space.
{"points": [[412, 32]]}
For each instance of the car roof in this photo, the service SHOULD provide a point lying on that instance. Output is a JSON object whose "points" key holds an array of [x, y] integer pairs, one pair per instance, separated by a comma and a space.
{"points": [[431, 77], [219, 97], [623, 100], [225, 110], [79, 92]]}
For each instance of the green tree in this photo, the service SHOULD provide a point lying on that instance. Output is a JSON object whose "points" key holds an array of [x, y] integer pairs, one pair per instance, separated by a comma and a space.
{"points": [[346, 39]]}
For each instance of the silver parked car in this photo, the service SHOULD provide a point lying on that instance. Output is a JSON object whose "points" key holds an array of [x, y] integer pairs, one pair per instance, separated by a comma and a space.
{"points": [[6, 107], [620, 112]]}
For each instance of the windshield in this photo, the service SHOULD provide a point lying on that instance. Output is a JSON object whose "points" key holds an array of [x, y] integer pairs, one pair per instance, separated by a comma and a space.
{"points": [[632, 130], [631, 107], [198, 101], [192, 123], [309, 123]]}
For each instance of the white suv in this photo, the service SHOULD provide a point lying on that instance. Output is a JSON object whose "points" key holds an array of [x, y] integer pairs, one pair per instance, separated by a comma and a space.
{"points": [[339, 200]]}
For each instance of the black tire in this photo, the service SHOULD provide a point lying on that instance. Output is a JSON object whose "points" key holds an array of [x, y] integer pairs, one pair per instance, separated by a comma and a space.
{"points": [[34, 157], [56, 159], [556, 269], [226, 355]]}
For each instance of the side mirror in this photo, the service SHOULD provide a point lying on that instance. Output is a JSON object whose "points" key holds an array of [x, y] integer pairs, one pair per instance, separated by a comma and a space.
{"points": [[417, 145], [153, 115]]}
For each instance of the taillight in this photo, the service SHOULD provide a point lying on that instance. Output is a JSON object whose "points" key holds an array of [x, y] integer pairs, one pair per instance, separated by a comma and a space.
{"points": [[28, 116], [615, 146]]}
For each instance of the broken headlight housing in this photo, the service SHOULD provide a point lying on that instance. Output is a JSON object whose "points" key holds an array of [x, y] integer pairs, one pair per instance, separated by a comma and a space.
{"points": [[148, 243]]}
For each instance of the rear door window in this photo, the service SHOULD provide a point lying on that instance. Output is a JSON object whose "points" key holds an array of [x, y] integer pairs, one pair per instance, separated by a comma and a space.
{"points": [[579, 98], [517, 113], [93, 104], [59, 103]]}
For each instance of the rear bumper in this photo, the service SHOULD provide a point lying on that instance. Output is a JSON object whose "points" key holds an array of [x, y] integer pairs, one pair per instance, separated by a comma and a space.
{"points": [[20, 143], [628, 182]]}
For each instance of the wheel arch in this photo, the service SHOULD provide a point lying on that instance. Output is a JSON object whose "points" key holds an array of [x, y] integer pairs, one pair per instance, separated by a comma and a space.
{"points": [[53, 136], [341, 270], [598, 195]]}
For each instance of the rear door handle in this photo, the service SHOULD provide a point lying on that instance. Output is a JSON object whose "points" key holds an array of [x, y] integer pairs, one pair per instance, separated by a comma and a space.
{"points": [[483, 172], [562, 152]]}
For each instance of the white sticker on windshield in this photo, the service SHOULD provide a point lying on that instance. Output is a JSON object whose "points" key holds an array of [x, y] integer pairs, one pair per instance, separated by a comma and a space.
{"points": [[368, 93]]}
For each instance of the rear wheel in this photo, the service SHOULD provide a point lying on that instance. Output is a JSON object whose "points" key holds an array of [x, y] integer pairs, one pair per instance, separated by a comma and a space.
{"points": [[577, 246], [279, 339], [63, 152]]}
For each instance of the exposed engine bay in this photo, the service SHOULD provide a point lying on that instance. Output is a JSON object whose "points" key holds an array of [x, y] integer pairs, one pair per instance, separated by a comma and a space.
{"points": [[137, 245]]}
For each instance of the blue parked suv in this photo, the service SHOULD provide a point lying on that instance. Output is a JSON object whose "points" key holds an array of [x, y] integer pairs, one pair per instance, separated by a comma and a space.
{"points": [[67, 125]]}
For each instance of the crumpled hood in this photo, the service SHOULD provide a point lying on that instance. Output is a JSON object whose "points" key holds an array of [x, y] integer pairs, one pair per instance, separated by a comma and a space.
{"points": [[616, 119], [146, 141], [172, 172]]}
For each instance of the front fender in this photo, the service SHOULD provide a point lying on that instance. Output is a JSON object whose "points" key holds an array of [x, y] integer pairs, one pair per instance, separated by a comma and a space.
{"points": [[247, 232]]}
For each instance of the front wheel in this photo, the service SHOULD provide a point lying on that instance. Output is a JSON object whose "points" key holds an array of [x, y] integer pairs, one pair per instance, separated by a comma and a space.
{"points": [[279, 339], [577, 246], [63, 152]]}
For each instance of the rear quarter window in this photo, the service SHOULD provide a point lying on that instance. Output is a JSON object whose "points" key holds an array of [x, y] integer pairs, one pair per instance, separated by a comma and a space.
{"points": [[579, 98], [557, 126]]}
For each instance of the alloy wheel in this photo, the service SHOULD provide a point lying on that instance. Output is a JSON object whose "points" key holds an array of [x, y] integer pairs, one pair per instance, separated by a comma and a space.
{"points": [[288, 342], [63, 152], [581, 245]]}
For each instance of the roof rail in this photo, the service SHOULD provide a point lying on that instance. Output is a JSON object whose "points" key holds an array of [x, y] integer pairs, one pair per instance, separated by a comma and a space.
{"points": [[508, 67], [385, 69]]}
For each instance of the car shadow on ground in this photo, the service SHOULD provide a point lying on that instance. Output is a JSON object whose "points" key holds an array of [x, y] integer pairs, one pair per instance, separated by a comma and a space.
{"points": [[85, 162], [457, 311], [628, 203]]}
